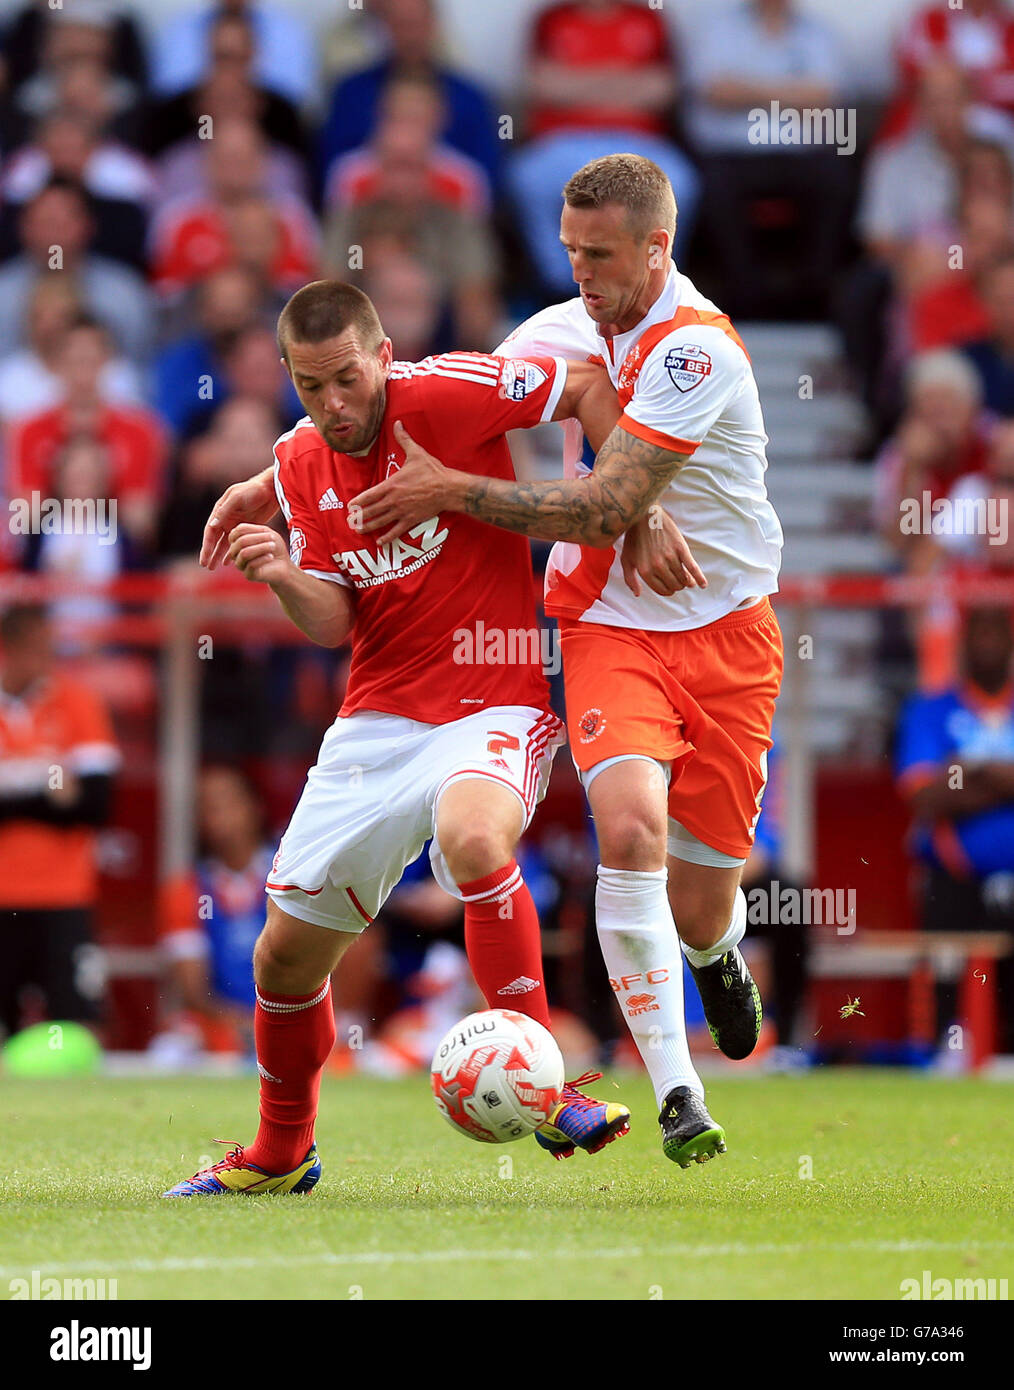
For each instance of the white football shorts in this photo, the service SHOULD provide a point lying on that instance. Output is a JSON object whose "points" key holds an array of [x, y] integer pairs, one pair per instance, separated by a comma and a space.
{"points": [[370, 803]]}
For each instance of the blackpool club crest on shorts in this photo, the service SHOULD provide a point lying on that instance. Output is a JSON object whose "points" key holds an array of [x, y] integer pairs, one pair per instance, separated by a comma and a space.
{"points": [[590, 725], [688, 365]]}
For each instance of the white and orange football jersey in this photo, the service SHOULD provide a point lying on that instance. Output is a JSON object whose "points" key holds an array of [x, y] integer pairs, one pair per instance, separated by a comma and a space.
{"points": [[685, 383]]}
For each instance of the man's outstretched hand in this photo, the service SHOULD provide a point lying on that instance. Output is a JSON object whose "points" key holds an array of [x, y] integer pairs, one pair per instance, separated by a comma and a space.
{"points": [[253, 501], [414, 493], [654, 549]]}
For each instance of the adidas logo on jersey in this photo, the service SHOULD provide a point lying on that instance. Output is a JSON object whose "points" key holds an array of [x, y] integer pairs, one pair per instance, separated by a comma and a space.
{"points": [[330, 502], [522, 985]]}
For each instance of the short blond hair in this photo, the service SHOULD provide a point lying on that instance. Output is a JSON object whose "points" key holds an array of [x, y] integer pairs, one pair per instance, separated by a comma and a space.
{"points": [[636, 183]]}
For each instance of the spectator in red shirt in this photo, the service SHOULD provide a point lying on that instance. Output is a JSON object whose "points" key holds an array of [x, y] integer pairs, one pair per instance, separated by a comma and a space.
{"points": [[198, 235], [944, 305], [412, 116], [600, 63], [602, 79], [133, 436], [977, 36]]}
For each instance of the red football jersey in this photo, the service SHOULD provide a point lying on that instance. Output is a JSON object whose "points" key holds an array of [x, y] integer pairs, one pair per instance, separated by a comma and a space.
{"points": [[445, 615]]}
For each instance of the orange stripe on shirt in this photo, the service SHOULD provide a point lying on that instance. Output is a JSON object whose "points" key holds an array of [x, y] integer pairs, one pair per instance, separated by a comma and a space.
{"points": [[663, 441]]}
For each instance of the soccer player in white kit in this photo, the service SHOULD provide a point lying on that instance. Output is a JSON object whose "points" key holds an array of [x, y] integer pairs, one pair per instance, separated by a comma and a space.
{"points": [[671, 688], [424, 747]]}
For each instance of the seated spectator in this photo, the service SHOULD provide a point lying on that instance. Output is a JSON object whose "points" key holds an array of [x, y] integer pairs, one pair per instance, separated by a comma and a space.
{"points": [[255, 372], [55, 229], [942, 302], [941, 437], [408, 295], [409, 122], [47, 832], [910, 195], [601, 80], [413, 41], [955, 764], [239, 436], [190, 370], [910, 186], [182, 172], [285, 60], [95, 26], [600, 64], [197, 235], [228, 89], [95, 552], [993, 355], [83, 90], [977, 36], [45, 44], [407, 209], [981, 536], [133, 436], [211, 918], [29, 380], [74, 146], [118, 183], [747, 58]]}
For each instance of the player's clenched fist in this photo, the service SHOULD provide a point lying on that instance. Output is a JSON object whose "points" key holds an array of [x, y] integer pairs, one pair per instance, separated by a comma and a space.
{"points": [[259, 553]]}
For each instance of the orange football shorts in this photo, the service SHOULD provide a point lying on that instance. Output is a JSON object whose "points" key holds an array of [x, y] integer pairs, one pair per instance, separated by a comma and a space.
{"points": [[701, 700]]}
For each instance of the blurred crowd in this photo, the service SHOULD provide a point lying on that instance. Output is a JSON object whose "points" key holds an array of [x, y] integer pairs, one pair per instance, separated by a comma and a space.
{"points": [[163, 191]]}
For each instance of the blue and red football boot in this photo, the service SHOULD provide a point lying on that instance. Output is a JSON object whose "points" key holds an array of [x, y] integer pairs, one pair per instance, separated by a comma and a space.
{"points": [[581, 1122], [232, 1174]]}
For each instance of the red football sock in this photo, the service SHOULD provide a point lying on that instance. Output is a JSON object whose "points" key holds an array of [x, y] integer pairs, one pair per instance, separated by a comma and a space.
{"points": [[294, 1034], [503, 942]]}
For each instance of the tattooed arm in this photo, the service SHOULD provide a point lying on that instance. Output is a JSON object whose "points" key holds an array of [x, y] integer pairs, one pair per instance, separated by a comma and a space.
{"points": [[593, 510]]}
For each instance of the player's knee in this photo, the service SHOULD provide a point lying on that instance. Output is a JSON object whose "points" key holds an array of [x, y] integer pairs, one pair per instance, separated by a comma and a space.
{"points": [[701, 924], [474, 849], [279, 966], [634, 839]]}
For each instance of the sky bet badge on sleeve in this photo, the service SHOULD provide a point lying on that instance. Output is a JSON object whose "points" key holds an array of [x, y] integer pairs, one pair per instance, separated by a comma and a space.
{"points": [[518, 378], [688, 365]]}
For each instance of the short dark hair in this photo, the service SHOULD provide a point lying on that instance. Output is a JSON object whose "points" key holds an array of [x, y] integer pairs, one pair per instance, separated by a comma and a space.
{"points": [[19, 619], [636, 183], [325, 308]]}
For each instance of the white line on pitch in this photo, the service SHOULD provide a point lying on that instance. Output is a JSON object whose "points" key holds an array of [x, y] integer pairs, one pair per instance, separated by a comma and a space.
{"points": [[401, 1257]]}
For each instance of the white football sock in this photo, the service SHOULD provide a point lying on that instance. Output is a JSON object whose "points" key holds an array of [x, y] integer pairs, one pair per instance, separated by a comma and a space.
{"points": [[734, 934], [642, 954]]}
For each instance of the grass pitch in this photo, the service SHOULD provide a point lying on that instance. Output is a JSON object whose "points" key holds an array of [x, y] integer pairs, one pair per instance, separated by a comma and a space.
{"points": [[909, 1173]]}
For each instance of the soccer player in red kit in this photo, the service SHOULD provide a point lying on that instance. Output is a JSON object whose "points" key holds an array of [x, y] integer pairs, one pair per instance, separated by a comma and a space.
{"points": [[425, 746]]}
